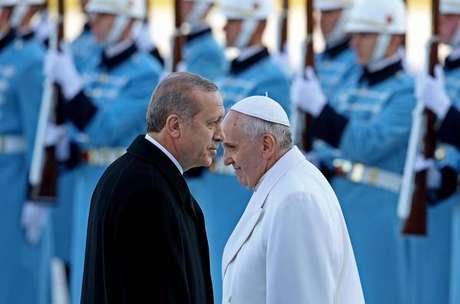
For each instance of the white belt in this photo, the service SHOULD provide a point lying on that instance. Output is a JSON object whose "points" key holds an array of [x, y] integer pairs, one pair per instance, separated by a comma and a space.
{"points": [[372, 176], [10, 144], [219, 167], [102, 156]]}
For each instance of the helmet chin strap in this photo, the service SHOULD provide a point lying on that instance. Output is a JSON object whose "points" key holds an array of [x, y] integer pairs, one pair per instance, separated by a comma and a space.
{"points": [[338, 33], [383, 41], [248, 28], [455, 41], [118, 27], [19, 12], [198, 11]]}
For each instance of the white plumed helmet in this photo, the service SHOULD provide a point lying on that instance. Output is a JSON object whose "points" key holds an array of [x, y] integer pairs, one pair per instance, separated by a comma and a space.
{"points": [[449, 7], [329, 5], [128, 8], [385, 17], [377, 16], [246, 9]]}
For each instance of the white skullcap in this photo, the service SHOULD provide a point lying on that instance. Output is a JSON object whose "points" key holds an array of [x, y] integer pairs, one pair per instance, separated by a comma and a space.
{"points": [[262, 107]]}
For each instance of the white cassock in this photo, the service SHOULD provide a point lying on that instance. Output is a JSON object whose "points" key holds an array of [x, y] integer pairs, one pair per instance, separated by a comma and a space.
{"points": [[291, 245]]}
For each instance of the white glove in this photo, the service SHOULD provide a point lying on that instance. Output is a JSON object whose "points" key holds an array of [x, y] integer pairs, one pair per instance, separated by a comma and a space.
{"points": [[431, 91], [43, 28], [282, 61], [60, 68], [143, 38], [34, 218], [307, 94], [58, 136], [434, 177]]}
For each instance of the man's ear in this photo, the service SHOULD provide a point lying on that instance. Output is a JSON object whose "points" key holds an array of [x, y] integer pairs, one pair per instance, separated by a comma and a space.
{"points": [[268, 145], [172, 126]]}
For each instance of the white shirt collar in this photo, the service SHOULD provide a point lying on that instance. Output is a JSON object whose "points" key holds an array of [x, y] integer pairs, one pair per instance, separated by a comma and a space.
{"points": [[455, 54], [163, 149]]}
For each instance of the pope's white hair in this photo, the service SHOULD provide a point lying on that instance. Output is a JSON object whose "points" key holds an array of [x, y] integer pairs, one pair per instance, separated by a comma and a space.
{"points": [[255, 128]]}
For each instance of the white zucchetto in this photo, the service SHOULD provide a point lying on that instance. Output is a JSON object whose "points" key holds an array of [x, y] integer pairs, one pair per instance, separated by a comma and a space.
{"points": [[262, 107]]}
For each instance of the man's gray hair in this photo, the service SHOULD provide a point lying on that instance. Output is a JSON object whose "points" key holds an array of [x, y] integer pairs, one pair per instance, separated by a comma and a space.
{"points": [[255, 127], [174, 95]]}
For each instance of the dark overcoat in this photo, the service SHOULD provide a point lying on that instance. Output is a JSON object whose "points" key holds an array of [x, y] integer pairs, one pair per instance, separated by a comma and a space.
{"points": [[146, 240]]}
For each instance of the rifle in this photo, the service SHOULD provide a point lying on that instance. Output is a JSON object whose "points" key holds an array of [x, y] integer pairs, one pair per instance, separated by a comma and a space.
{"points": [[43, 173], [178, 37], [309, 61], [283, 27], [415, 221]]}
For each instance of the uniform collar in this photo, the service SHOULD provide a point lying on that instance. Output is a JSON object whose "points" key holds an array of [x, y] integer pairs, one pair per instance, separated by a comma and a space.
{"points": [[200, 32], [110, 62], [87, 27], [334, 50], [381, 73], [239, 65], [144, 150], [27, 35], [453, 60], [7, 39]]}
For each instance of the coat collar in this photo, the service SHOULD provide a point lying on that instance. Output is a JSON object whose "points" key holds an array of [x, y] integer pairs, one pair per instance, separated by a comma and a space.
{"points": [[239, 66], [114, 61], [255, 207], [335, 50], [452, 63], [376, 77], [202, 32], [7, 39], [143, 149]]}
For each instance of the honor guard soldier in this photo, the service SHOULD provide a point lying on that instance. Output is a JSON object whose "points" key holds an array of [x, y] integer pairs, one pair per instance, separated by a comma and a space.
{"points": [[203, 55], [337, 64], [25, 232], [105, 104], [369, 125], [438, 256]]}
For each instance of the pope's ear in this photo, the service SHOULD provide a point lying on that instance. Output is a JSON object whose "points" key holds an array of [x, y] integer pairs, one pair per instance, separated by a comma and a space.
{"points": [[268, 145], [172, 125]]}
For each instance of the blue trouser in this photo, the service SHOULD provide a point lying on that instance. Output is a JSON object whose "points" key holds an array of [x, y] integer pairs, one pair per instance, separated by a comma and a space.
{"points": [[25, 270], [223, 201], [381, 252], [86, 178]]}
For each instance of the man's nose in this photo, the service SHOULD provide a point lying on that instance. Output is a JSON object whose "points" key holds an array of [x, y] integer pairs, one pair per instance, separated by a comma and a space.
{"points": [[218, 134], [227, 158]]}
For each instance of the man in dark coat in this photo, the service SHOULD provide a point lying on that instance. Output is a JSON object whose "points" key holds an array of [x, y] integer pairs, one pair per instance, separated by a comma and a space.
{"points": [[146, 238]]}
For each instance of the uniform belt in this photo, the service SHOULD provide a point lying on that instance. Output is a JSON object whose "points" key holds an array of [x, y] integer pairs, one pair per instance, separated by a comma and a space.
{"points": [[11, 144], [372, 176], [102, 156], [218, 167]]}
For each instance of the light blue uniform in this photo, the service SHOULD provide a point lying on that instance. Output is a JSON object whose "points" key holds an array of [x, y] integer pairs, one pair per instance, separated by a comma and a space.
{"points": [[370, 124], [86, 53], [336, 68], [221, 197], [436, 280], [24, 275], [85, 50], [204, 56], [110, 113]]}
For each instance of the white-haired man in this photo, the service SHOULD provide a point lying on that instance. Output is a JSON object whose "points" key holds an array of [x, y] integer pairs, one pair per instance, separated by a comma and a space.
{"points": [[291, 244]]}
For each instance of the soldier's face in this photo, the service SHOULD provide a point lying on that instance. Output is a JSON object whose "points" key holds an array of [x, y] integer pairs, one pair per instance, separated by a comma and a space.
{"points": [[232, 28], [242, 152], [364, 45], [201, 136], [328, 20], [448, 25], [101, 24]]}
